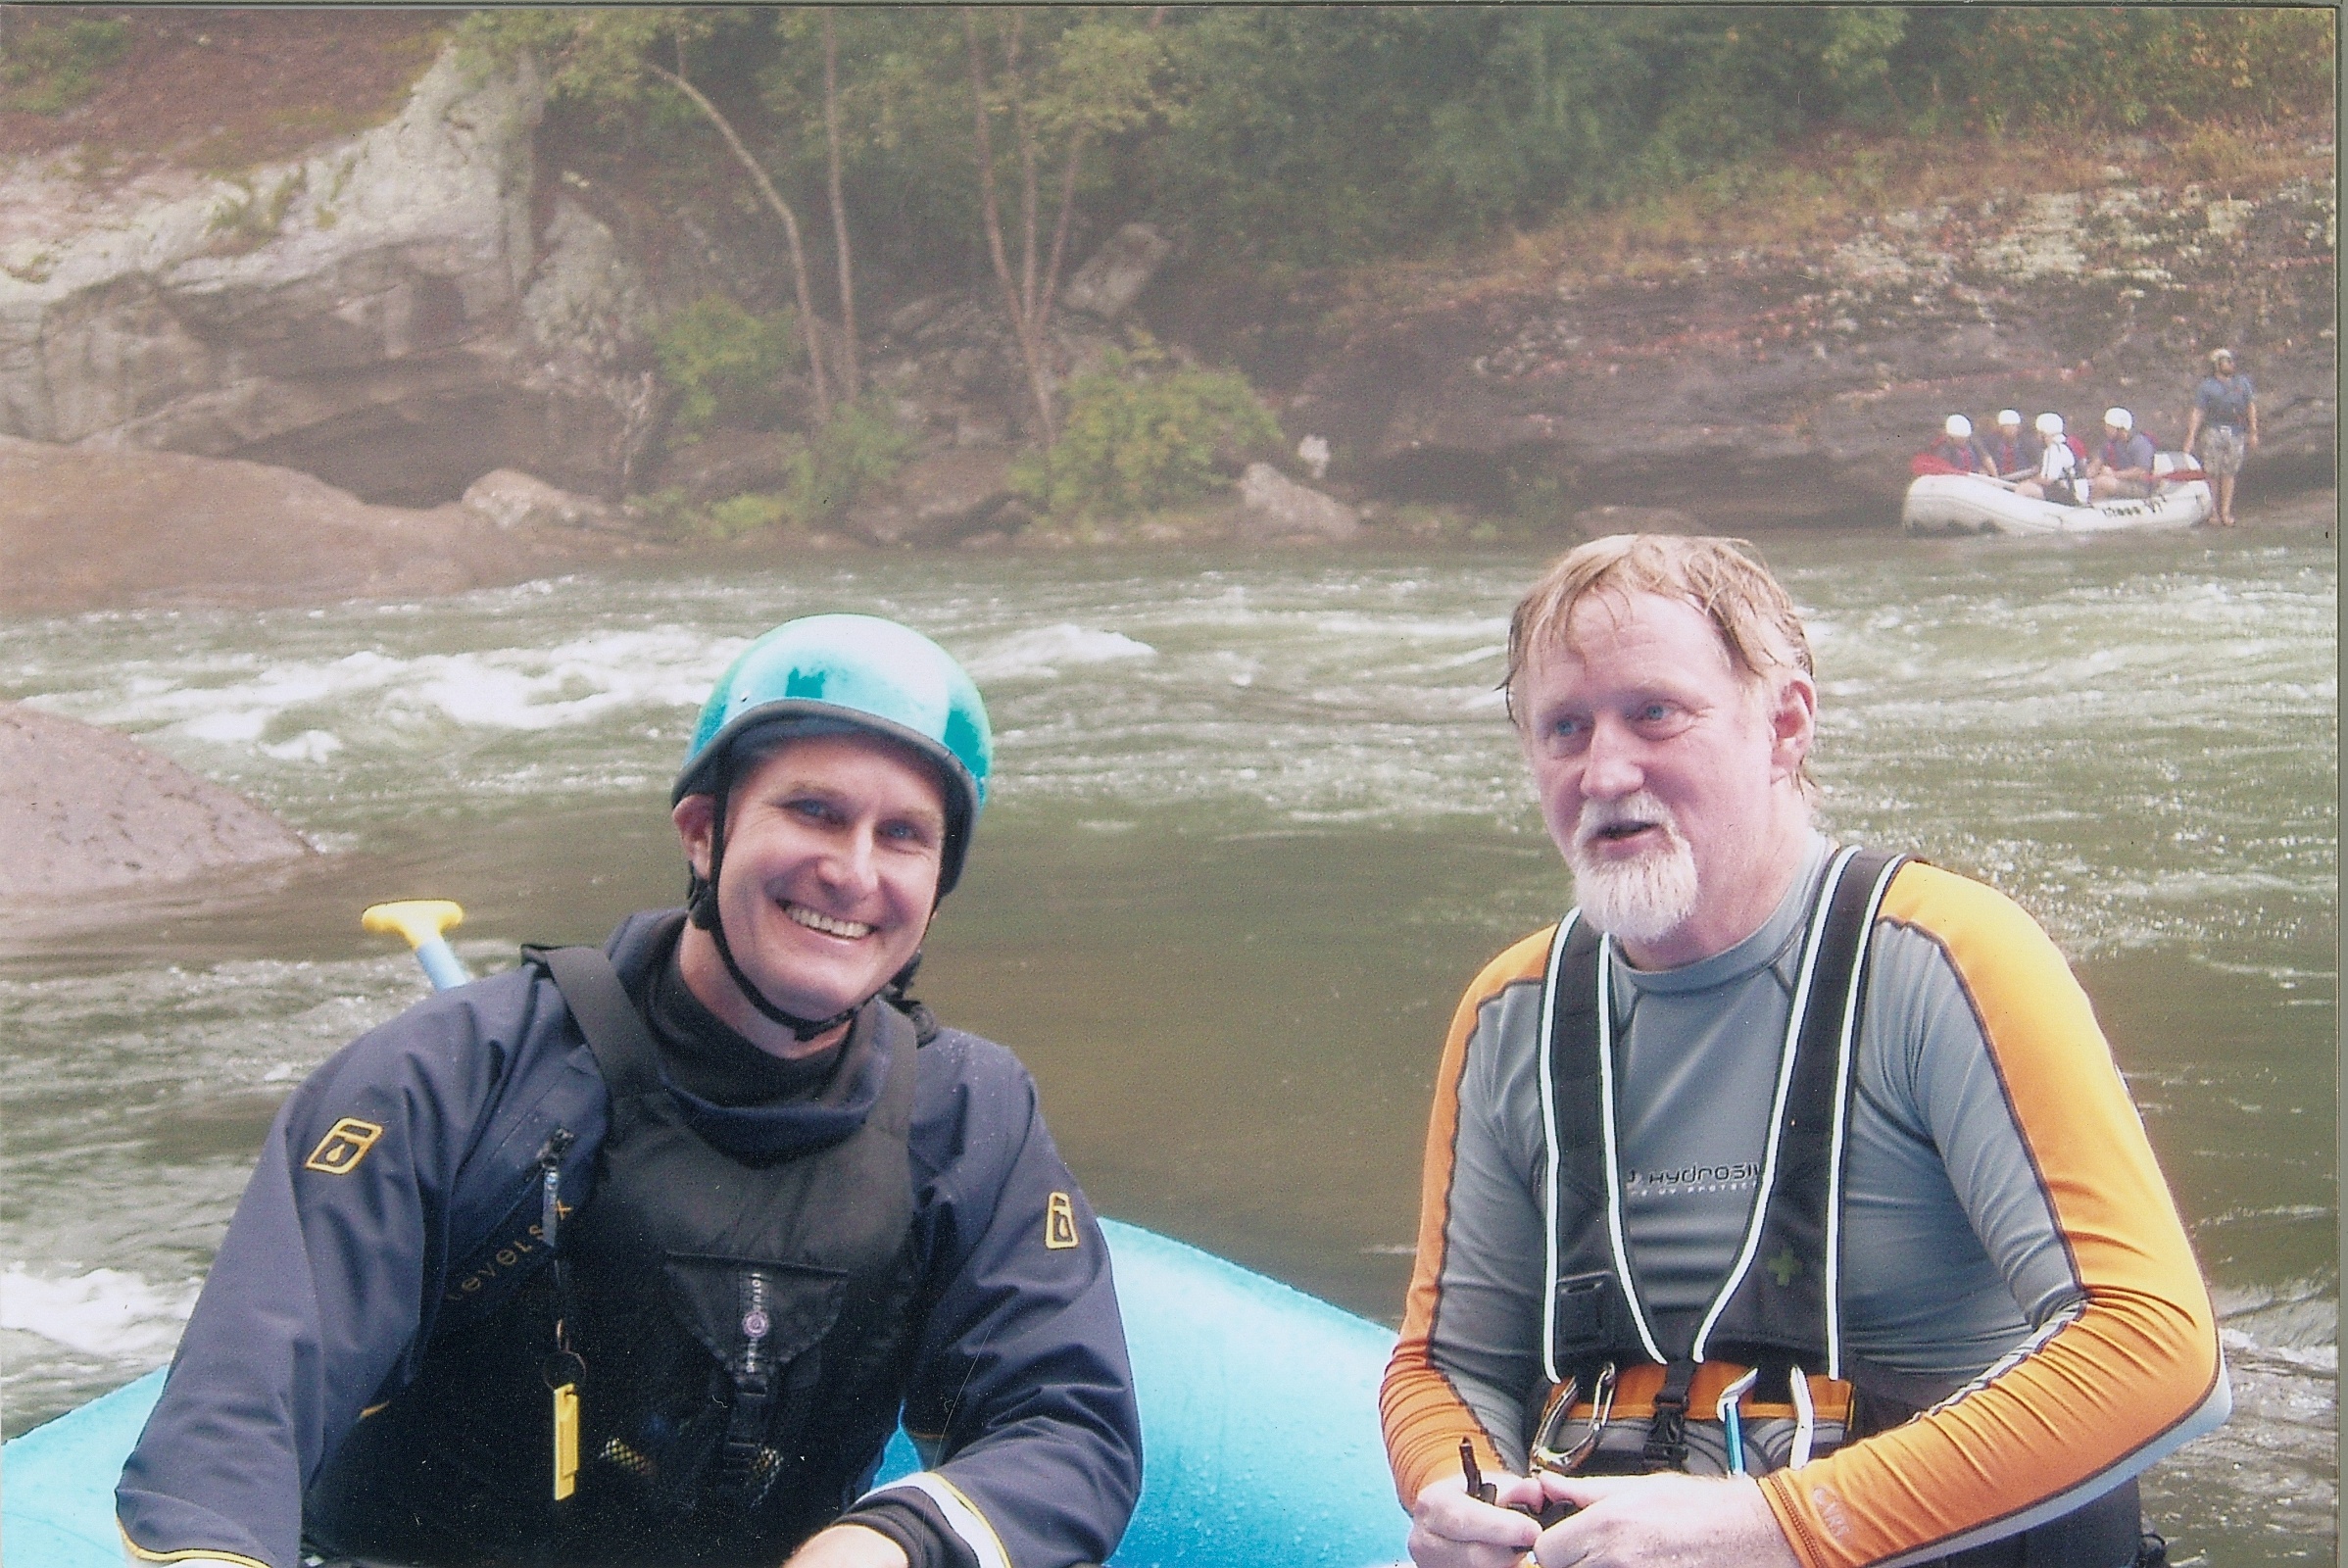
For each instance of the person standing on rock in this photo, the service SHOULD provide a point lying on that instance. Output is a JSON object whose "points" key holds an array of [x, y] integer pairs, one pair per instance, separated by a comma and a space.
{"points": [[2013, 452], [636, 1255], [2225, 419], [2121, 467], [1781, 1204]]}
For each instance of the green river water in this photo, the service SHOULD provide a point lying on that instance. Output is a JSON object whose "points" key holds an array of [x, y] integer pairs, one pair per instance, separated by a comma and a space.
{"points": [[1260, 819]]}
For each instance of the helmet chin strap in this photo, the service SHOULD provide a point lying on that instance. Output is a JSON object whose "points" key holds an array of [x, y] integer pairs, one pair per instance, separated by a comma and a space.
{"points": [[701, 905]]}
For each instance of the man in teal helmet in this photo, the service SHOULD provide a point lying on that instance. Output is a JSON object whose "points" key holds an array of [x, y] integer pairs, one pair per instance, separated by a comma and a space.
{"points": [[866, 685], [639, 1254]]}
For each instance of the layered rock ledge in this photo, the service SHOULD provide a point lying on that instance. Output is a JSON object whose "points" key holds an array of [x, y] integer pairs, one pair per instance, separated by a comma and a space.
{"points": [[83, 529]]}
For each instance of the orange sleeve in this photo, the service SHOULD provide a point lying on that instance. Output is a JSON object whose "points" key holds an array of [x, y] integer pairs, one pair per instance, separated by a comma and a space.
{"points": [[1423, 1414], [2140, 1359]]}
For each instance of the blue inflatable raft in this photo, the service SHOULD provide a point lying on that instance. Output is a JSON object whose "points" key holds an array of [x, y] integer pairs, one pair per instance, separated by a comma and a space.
{"points": [[1260, 1426]]}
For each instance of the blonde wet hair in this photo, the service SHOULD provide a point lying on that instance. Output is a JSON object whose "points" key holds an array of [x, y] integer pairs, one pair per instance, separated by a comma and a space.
{"points": [[1759, 629]]}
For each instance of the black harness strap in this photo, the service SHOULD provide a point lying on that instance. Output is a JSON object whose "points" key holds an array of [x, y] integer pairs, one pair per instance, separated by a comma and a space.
{"points": [[1776, 1316], [1809, 1180], [623, 1048], [629, 1061]]}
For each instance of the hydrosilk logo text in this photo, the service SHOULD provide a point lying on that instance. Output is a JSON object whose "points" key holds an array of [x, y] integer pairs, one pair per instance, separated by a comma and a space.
{"points": [[1742, 1173]]}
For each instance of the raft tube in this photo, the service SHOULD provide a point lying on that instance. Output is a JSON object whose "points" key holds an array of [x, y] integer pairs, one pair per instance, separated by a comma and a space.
{"points": [[1965, 502], [1259, 1429]]}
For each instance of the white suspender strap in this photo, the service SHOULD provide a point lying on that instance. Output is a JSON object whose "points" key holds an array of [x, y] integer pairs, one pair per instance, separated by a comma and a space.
{"points": [[1548, 1137]]}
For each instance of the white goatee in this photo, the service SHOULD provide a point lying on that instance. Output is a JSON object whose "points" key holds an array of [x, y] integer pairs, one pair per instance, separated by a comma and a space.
{"points": [[1642, 900]]}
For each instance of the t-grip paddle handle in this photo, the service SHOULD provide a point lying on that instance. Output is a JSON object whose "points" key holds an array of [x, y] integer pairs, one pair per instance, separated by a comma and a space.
{"points": [[420, 921]]}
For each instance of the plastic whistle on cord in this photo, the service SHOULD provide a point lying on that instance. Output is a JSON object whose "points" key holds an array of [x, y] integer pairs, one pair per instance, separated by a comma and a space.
{"points": [[420, 921], [1485, 1491]]}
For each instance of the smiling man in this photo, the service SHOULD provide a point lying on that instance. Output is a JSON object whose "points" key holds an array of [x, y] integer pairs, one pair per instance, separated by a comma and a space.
{"points": [[1781, 1203], [638, 1254]]}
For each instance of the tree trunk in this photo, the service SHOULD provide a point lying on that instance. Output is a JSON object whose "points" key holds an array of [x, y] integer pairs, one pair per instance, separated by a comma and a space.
{"points": [[851, 353], [1027, 329], [1059, 229], [811, 326]]}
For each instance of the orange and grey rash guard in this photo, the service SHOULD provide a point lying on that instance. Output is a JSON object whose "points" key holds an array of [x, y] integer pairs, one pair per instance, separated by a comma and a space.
{"points": [[2006, 1226]]}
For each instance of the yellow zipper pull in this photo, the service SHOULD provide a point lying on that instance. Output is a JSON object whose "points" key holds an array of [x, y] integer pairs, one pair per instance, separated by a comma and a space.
{"points": [[562, 1373], [566, 1441]]}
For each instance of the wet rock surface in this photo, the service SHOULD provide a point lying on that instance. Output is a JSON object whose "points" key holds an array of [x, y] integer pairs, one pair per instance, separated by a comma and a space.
{"points": [[1273, 506], [95, 530], [83, 809], [941, 499]]}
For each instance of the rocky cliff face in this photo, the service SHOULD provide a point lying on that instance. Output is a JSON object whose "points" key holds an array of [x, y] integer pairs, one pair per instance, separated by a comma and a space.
{"points": [[377, 312], [1759, 386], [404, 310]]}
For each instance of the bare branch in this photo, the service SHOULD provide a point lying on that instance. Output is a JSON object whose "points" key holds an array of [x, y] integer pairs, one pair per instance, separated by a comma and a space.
{"points": [[1059, 229], [812, 325], [1025, 327], [852, 354]]}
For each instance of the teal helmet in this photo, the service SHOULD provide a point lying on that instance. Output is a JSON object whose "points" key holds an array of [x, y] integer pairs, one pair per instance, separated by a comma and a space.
{"points": [[823, 674]]}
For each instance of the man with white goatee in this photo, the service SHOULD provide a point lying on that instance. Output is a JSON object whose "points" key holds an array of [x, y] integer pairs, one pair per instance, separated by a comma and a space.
{"points": [[1781, 1203]]}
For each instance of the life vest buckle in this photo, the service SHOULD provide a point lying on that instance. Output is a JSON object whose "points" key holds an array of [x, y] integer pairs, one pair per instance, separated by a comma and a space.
{"points": [[1667, 1434]]}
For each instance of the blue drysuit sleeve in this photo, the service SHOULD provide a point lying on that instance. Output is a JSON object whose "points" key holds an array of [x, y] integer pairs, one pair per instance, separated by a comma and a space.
{"points": [[324, 1287], [1021, 1399]]}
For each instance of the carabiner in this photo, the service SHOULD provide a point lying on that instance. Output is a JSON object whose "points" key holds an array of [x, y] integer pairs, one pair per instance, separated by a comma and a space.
{"points": [[1550, 1452], [1732, 1419]]}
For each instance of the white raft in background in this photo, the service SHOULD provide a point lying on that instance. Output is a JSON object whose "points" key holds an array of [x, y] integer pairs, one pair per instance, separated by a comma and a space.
{"points": [[1968, 502]]}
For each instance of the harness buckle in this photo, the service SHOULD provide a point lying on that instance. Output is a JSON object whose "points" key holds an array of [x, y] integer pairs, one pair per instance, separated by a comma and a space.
{"points": [[1667, 1434]]}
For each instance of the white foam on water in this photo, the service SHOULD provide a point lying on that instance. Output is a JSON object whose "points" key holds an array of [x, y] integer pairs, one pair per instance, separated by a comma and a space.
{"points": [[1041, 654], [571, 684], [310, 745], [2321, 1359], [105, 1312]]}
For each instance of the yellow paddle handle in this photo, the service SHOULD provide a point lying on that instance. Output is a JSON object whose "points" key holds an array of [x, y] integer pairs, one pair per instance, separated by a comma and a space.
{"points": [[420, 921]]}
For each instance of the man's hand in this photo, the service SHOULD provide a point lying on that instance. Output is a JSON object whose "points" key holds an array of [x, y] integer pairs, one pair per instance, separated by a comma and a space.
{"points": [[1662, 1522], [848, 1547], [1448, 1528]]}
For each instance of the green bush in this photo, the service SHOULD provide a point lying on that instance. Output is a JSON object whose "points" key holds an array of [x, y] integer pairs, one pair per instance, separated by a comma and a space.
{"points": [[47, 67], [726, 363], [864, 445], [1138, 438], [822, 476]]}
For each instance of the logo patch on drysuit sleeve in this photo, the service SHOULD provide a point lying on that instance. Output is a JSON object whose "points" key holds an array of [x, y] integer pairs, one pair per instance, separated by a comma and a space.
{"points": [[1060, 1223], [345, 1145]]}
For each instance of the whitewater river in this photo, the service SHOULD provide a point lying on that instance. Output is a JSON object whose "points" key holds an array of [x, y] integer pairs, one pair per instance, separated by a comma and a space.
{"points": [[1257, 822]]}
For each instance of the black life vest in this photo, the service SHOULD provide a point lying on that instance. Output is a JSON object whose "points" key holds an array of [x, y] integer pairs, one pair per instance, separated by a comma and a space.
{"points": [[1777, 1308], [745, 1328], [1777, 1312]]}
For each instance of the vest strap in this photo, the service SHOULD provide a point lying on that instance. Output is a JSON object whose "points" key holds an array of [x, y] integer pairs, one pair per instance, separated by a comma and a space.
{"points": [[615, 1030], [1761, 1314]]}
